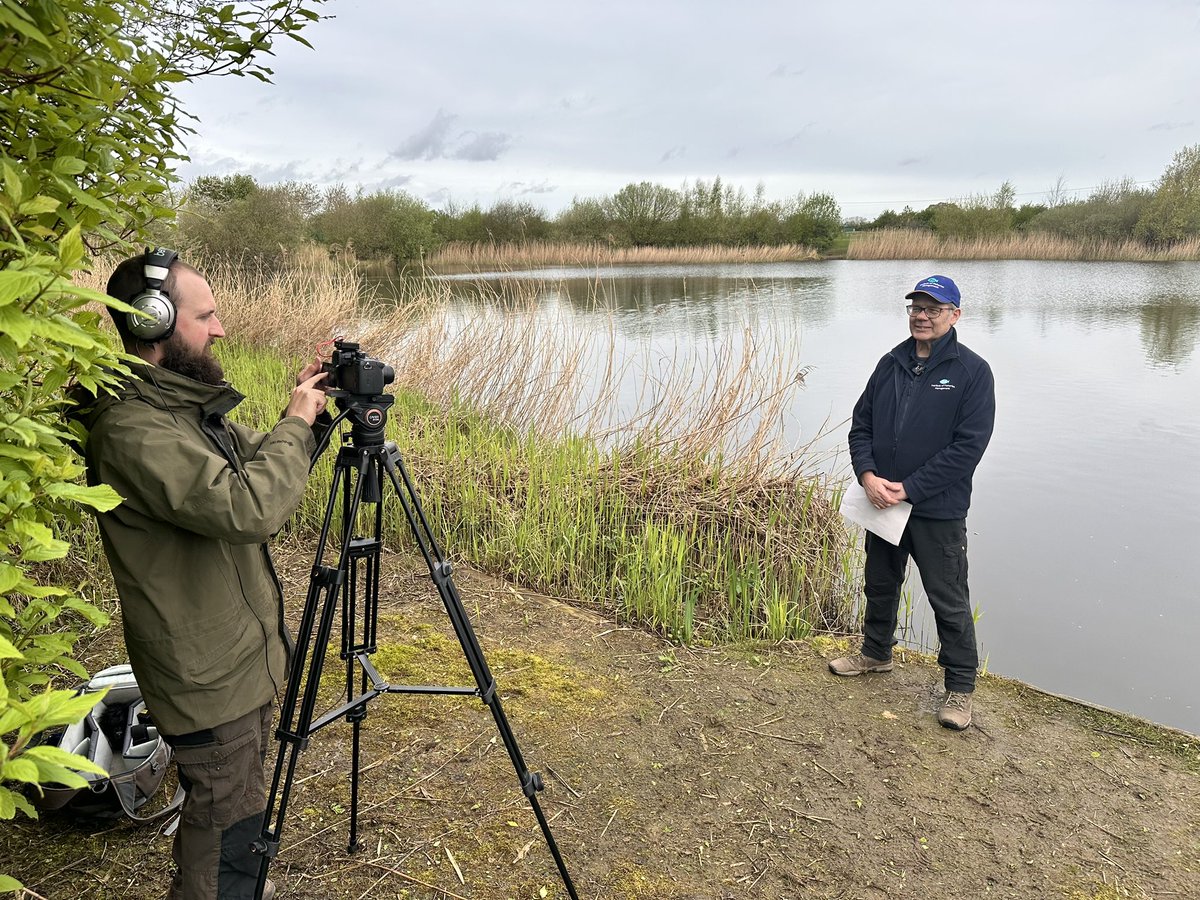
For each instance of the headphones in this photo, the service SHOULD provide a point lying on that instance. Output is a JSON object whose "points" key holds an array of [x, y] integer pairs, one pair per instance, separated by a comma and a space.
{"points": [[152, 300]]}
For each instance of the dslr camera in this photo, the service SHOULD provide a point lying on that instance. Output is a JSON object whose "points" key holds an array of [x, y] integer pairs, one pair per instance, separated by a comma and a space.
{"points": [[353, 372]]}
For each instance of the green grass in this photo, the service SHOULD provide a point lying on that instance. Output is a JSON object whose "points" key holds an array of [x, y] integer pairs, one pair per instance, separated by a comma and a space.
{"points": [[674, 543]]}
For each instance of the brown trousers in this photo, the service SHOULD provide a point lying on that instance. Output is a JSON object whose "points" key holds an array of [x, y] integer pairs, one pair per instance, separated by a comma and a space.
{"points": [[222, 770]]}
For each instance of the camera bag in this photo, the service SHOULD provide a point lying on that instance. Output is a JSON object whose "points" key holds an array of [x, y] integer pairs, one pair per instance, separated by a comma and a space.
{"points": [[118, 735]]}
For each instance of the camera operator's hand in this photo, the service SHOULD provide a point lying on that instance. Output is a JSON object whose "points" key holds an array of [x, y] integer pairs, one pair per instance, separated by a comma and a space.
{"points": [[308, 399], [308, 372]]}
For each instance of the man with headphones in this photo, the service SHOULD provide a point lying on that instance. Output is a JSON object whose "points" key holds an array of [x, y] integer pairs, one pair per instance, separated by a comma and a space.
{"points": [[202, 607]]}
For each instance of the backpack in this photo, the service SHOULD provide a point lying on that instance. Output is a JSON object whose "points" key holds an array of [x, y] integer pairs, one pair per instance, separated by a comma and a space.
{"points": [[119, 736]]}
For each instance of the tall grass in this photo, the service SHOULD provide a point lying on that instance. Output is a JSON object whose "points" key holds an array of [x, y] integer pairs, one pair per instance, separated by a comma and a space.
{"points": [[691, 517], [533, 254], [901, 243]]}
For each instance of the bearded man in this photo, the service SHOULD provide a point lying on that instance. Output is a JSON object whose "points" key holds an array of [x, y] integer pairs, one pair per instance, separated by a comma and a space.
{"points": [[202, 607]]}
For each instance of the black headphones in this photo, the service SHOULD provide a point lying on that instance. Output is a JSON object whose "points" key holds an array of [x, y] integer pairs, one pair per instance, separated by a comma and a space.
{"points": [[152, 300]]}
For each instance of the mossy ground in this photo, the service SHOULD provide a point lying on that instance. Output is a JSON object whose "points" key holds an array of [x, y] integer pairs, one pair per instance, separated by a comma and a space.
{"points": [[683, 773]]}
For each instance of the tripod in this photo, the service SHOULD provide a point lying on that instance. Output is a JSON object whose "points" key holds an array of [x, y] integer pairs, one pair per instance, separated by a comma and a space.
{"points": [[364, 463]]}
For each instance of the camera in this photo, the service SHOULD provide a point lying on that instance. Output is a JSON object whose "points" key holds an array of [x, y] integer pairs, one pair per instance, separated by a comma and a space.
{"points": [[353, 372]]}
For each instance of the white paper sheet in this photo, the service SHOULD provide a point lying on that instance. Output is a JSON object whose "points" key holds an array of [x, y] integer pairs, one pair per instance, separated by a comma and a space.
{"points": [[887, 523]]}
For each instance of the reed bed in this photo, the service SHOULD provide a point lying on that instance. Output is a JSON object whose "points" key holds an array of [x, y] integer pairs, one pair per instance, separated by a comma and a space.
{"points": [[534, 254], [901, 243], [691, 517]]}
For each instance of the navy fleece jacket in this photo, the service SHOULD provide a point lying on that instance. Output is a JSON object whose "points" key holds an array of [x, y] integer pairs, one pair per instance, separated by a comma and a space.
{"points": [[928, 431]]}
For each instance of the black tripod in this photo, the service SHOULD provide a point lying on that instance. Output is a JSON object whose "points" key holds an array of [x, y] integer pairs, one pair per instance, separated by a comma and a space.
{"points": [[363, 463]]}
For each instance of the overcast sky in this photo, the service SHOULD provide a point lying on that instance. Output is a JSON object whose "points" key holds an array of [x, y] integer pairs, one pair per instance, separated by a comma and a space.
{"points": [[881, 104]]}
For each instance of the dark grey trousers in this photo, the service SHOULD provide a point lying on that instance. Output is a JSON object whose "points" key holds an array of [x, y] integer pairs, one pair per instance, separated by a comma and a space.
{"points": [[222, 770], [939, 548]]}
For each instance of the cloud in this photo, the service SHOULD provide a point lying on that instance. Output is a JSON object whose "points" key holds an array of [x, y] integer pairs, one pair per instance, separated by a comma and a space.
{"points": [[395, 181], [521, 188], [784, 71], [435, 141], [1170, 126], [483, 147], [430, 141], [676, 152], [910, 161]]}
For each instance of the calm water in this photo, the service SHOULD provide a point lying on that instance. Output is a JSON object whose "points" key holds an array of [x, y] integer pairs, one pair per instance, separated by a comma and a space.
{"points": [[1085, 506]]}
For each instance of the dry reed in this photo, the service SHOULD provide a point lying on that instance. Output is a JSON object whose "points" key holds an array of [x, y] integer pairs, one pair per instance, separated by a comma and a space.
{"points": [[534, 254], [901, 243]]}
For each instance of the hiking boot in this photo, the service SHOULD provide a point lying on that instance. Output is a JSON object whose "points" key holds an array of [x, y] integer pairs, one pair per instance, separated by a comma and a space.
{"points": [[955, 711], [849, 666]]}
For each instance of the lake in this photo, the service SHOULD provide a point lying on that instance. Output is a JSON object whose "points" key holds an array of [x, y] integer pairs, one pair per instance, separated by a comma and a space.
{"points": [[1085, 505]]}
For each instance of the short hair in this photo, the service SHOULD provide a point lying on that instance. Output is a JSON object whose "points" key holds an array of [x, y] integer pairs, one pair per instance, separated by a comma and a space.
{"points": [[128, 280]]}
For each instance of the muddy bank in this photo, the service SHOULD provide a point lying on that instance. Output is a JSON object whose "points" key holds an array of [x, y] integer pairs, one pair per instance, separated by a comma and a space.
{"points": [[675, 773]]}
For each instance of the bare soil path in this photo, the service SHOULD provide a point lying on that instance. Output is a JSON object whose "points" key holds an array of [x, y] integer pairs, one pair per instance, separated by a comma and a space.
{"points": [[676, 773]]}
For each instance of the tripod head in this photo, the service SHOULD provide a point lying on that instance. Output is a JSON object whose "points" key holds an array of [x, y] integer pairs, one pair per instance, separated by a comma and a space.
{"points": [[367, 415]]}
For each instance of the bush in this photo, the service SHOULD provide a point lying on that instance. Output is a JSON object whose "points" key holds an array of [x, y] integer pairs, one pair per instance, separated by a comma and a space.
{"points": [[88, 134]]}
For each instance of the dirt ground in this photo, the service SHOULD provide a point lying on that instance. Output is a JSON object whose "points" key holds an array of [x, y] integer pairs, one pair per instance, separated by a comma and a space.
{"points": [[684, 773]]}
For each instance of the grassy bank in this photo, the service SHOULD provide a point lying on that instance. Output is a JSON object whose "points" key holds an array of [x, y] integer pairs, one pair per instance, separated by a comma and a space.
{"points": [[691, 518], [661, 537], [912, 244]]}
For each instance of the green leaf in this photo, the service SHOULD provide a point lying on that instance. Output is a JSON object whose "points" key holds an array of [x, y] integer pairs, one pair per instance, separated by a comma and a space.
{"points": [[15, 284], [18, 20], [10, 575], [8, 651], [17, 325], [46, 756], [38, 205], [68, 165], [100, 497], [60, 708], [70, 248], [19, 770], [8, 883]]}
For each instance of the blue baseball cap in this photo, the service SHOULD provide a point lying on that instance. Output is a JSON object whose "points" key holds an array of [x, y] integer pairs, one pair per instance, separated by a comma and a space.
{"points": [[940, 288]]}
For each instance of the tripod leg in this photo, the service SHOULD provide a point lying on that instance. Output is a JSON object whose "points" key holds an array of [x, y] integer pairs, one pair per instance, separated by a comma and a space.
{"points": [[440, 572], [296, 721]]}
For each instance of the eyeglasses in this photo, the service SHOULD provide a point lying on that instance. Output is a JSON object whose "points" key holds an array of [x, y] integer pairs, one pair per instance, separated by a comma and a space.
{"points": [[931, 312]]}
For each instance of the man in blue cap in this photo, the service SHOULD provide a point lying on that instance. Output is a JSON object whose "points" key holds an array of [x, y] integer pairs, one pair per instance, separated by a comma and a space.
{"points": [[918, 432]]}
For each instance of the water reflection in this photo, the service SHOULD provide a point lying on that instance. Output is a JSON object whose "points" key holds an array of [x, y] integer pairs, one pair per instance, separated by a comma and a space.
{"points": [[699, 302], [1170, 327]]}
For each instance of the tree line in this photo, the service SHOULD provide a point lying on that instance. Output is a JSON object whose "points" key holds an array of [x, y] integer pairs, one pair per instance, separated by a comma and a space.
{"points": [[234, 216], [1114, 212]]}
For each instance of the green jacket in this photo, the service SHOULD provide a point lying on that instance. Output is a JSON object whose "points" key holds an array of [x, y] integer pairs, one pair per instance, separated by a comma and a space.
{"points": [[201, 603]]}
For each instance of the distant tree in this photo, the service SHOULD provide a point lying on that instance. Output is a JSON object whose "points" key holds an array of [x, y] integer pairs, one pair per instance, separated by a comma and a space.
{"points": [[511, 221], [977, 216], [584, 220], [815, 221], [1110, 213], [1173, 213], [1057, 195], [640, 213], [333, 223], [235, 219], [1025, 214], [906, 218], [456, 223], [393, 225], [221, 190]]}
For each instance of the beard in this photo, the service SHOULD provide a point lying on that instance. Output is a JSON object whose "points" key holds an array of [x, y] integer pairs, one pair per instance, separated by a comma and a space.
{"points": [[199, 365]]}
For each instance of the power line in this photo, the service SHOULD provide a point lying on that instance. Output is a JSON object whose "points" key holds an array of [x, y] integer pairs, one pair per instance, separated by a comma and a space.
{"points": [[953, 199]]}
